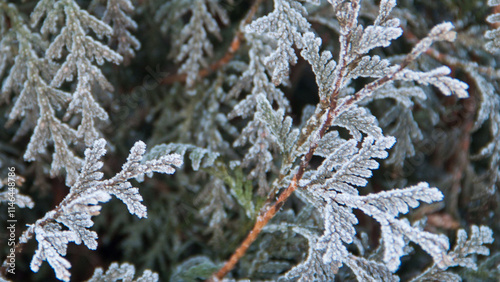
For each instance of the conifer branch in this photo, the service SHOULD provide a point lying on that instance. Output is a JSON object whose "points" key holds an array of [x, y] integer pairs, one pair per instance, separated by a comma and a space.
{"points": [[334, 109], [226, 58]]}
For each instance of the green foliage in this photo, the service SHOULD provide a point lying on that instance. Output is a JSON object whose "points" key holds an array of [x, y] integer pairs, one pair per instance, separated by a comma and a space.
{"points": [[240, 187], [194, 269], [367, 132], [280, 126]]}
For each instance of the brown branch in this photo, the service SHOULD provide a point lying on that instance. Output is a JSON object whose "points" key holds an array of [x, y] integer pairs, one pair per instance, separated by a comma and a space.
{"points": [[228, 56]]}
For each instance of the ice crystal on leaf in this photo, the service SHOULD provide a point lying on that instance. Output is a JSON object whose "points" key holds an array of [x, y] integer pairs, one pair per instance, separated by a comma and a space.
{"points": [[386, 206], [192, 44], [493, 35], [313, 262], [461, 255], [381, 33], [37, 77], [438, 78], [123, 272], [38, 101], [83, 202], [260, 155], [116, 16], [321, 62], [337, 189], [279, 126], [359, 120], [371, 66], [287, 23], [12, 192], [256, 78], [82, 51], [398, 121], [346, 166], [369, 270], [199, 157]]}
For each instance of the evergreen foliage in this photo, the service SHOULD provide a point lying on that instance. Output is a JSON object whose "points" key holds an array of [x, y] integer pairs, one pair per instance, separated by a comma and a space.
{"points": [[326, 140]]}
